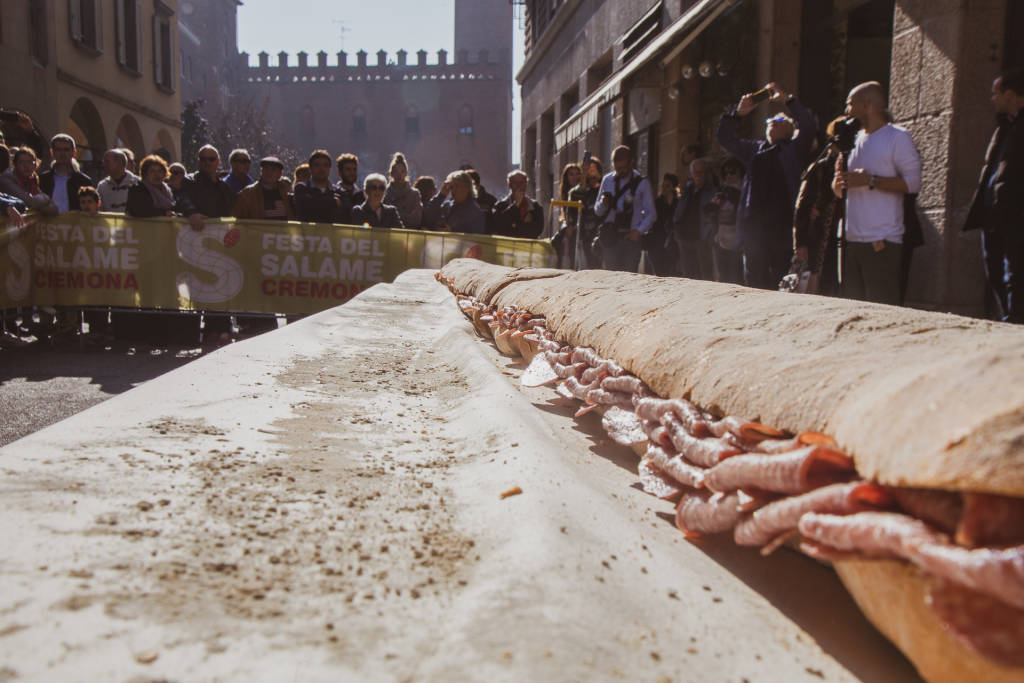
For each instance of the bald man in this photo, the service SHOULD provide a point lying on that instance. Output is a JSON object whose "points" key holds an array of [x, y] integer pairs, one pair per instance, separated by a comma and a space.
{"points": [[883, 166]]}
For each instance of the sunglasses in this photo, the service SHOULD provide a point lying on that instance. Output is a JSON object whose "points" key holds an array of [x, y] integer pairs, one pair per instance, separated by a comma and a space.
{"points": [[378, 188], [777, 119], [208, 159]]}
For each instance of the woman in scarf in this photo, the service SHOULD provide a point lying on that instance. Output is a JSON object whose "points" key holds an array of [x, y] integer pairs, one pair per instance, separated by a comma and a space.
{"points": [[21, 181], [152, 197]]}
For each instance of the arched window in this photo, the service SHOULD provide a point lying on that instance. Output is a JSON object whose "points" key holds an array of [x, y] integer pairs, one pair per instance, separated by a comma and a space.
{"points": [[358, 121], [466, 120], [412, 121]]}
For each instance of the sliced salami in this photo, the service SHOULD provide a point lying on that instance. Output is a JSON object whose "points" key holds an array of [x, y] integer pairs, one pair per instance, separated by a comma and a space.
{"points": [[782, 516], [703, 452], [991, 628], [990, 520], [655, 483], [702, 512], [538, 373], [623, 426], [797, 471], [673, 466]]}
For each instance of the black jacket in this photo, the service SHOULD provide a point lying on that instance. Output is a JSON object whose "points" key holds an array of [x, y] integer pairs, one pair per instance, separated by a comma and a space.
{"points": [[140, 203], [389, 217], [506, 219], [314, 205], [211, 198], [1004, 169], [76, 180]]}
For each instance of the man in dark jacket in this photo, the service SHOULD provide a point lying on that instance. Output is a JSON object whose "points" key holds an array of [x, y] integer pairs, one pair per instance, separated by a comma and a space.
{"points": [[769, 190], [998, 204], [517, 215], [316, 200], [63, 180], [203, 194]]}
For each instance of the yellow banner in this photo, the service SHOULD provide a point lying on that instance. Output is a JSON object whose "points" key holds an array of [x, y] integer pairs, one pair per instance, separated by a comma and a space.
{"points": [[75, 259]]}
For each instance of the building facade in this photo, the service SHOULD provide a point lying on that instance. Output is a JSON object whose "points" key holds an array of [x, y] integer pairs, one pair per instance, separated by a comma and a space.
{"points": [[658, 75], [442, 111], [104, 71]]}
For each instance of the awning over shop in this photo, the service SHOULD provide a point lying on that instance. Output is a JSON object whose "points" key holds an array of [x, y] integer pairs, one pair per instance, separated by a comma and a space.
{"points": [[678, 35]]}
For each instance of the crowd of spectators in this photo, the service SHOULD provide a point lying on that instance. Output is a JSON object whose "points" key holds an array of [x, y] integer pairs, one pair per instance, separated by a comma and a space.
{"points": [[769, 215], [460, 204]]}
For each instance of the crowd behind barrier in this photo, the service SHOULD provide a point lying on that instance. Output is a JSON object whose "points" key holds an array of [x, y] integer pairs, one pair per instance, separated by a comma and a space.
{"points": [[769, 215]]}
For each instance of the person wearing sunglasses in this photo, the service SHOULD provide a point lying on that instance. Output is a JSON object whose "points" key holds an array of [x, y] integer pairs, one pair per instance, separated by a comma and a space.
{"points": [[374, 212], [769, 188], [204, 194]]}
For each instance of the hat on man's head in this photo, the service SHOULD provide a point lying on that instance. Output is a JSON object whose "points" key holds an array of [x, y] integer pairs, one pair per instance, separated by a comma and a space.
{"points": [[272, 161]]}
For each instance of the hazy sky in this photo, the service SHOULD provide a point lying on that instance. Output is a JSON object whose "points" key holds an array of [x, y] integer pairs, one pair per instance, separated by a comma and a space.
{"points": [[310, 25]]}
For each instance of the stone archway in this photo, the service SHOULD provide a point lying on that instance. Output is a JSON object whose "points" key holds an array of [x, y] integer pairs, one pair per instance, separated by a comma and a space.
{"points": [[86, 127], [164, 145], [130, 135]]}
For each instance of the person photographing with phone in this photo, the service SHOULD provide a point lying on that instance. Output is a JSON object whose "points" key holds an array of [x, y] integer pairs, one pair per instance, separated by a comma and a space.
{"points": [[769, 190]]}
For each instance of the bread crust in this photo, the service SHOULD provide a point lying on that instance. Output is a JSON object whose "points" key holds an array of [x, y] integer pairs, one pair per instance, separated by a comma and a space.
{"points": [[917, 398], [892, 596]]}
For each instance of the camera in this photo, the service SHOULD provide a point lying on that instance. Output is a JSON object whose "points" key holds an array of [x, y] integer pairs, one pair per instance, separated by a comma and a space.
{"points": [[844, 134]]}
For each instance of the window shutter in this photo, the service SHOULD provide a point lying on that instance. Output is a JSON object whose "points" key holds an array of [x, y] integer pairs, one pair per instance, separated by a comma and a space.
{"points": [[98, 10], [137, 64], [75, 19], [122, 33], [157, 52]]}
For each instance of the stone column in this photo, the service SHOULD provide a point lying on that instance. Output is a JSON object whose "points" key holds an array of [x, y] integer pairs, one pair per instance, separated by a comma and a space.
{"points": [[945, 55]]}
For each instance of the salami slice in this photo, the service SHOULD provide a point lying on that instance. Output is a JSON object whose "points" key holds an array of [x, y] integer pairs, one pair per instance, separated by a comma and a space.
{"points": [[623, 426], [870, 534], [941, 509], [988, 626], [797, 471], [673, 466], [656, 483], [990, 520], [995, 572], [538, 373], [688, 415], [627, 384], [782, 516], [702, 512], [703, 452], [609, 398]]}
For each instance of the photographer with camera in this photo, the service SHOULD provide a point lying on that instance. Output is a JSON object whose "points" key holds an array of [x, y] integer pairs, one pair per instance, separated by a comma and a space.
{"points": [[626, 204], [815, 243], [883, 167], [769, 189]]}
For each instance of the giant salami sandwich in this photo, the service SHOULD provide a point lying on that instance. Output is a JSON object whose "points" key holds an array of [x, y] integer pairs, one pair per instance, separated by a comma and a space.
{"points": [[886, 441]]}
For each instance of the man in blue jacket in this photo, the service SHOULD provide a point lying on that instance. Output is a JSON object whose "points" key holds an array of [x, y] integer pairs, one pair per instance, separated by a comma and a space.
{"points": [[770, 187]]}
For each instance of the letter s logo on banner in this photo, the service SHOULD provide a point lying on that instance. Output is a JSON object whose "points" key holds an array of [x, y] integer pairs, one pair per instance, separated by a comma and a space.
{"points": [[18, 282], [230, 276]]}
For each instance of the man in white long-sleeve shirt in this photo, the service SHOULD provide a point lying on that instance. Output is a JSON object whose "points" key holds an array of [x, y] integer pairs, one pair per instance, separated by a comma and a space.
{"points": [[883, 166], [625, 203]]}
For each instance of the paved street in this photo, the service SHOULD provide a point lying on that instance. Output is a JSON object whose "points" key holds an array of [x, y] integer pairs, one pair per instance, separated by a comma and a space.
{"points": [[40, 385]]}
